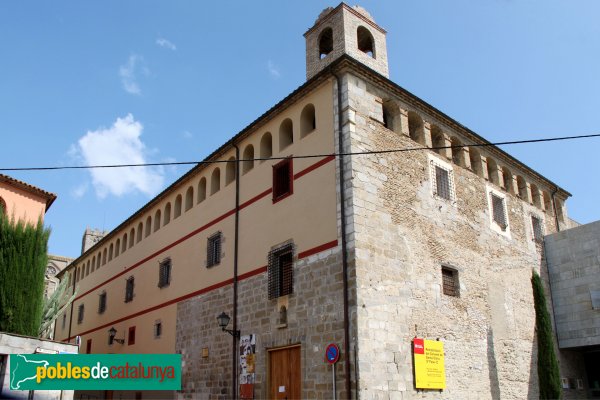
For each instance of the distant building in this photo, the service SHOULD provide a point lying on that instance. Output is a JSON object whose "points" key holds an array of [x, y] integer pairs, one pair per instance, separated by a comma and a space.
{"points": [[400, 223], [90, 238], [573, 258], [23, 201]]}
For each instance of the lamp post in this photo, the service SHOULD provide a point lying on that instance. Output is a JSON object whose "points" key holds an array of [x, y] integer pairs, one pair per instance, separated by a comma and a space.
{"points": [[112, 332], [224, 321]]}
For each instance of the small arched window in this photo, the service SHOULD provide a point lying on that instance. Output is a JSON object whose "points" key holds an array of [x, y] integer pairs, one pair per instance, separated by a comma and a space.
{"points": [[438, 142], [325, 42], [111, 251], [104, 254], [148, 226], [167, 217], [139, 232], [522, 185], [189, 198], [157, 218], [201, 190], [308, 122], [286, 134], [117, 247], [177, 211], [230, 171], [124, 247], [492, 169], [507, 179], [131, 237], [215, 181], [365, 41], [536, 199], [457, 152], [476, 164], [266, 146], [415, 127], [248, 156], [93, 264]]}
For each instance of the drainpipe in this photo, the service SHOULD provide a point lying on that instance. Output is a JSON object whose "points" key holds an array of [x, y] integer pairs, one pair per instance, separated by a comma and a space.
{"points": [[554, 208], [234, 344], [344, 242]]}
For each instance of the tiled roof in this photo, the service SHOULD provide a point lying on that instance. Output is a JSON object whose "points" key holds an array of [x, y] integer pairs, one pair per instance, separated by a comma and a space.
{"points": [[50, 197]]}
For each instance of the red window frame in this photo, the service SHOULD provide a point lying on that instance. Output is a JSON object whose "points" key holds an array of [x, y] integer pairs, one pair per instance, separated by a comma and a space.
{"points": [[131, 336], [280, 192]]}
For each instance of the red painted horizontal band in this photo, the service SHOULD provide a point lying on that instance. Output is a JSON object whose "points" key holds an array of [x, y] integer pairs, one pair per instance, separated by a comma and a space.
{"points": [[207, 289], [318, 249], [314, 166]]}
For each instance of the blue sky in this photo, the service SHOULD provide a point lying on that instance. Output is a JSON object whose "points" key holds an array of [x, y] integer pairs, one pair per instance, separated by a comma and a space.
{"points": [[157, 81]]}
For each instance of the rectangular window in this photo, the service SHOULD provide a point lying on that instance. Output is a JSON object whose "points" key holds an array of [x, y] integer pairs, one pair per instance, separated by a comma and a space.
{"points": [[538, 231], [280, 271], [131, 336], [102, 303], [213, 250], [450, 285], [130, 283], [283, 180], [164, 273], [498, 211], [88, 346], [157, 329], [80, 314], [442, 181]]}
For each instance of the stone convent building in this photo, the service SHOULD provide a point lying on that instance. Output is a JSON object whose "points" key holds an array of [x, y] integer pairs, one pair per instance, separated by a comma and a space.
{"points": [[368, 251]]}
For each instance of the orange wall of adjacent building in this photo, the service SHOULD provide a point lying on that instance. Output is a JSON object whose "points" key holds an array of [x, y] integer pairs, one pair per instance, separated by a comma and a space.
{"points": [[22, 204]]}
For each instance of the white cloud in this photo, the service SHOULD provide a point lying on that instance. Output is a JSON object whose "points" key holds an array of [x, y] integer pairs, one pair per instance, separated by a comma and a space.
{"points": [[80, 190], [128, 72], [273, 70], [187, 135], [119, 144], [162, 42]]}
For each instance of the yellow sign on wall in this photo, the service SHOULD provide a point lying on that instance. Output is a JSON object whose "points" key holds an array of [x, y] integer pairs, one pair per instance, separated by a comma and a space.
{"points": [[429, 364]]}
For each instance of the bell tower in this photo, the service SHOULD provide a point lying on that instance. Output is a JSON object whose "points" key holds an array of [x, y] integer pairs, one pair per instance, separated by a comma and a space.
{"points": [[345, 30]]}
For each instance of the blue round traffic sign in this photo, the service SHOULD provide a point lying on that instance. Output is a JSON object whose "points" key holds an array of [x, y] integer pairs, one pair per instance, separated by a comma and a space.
{"points": [[332, 353]]}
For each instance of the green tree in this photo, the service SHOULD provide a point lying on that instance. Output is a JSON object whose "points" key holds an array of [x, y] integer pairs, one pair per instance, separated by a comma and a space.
{"points": [[548, 373], [23, 259]]}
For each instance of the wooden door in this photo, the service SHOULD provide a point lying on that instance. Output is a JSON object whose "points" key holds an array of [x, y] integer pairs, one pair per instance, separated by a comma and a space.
{"points": [[284, 373]]}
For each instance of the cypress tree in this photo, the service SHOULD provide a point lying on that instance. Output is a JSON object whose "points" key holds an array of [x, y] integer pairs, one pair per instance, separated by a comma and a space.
{"points": [[23, 260], [548, 373]]}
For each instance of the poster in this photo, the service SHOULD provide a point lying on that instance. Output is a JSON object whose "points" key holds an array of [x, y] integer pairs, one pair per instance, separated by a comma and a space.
{"points": [[429, 364], [247, 366]]}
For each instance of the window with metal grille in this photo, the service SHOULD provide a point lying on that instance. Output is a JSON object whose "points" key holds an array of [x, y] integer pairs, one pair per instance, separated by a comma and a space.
{"points": [[283, 180], [164, 273], [131, 336], [442, 181], [498, 211], [450, 282], [538, 232], [102, 303], [213, 250], [157, 329], [80, 312], [129, 285], [280, 271]]}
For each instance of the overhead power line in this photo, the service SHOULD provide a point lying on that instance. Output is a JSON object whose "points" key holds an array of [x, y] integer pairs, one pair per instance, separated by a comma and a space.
{"points": [[356, 153]]}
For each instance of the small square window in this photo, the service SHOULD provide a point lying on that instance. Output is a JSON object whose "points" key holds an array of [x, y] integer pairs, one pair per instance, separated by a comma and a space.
{"points": [[498, 211], [281, 272], [213, 250], [164, 273], [538, 230], [88, 346], [131, 336], [283, 180], [80, 312], [157, 329], [442, 181], [450, 285], [129, 285], [102, 303]]}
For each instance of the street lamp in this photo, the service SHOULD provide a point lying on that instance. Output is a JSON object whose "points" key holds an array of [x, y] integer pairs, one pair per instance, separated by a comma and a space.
{"points": [[224, 321], [112, 332]]}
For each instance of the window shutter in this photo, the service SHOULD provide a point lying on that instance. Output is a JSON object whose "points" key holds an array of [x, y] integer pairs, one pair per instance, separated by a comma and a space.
{"points": [[281, 271]]}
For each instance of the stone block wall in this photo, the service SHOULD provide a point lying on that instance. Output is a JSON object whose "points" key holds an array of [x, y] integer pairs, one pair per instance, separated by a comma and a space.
{"points": [[402, 236], [314, 319]]}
